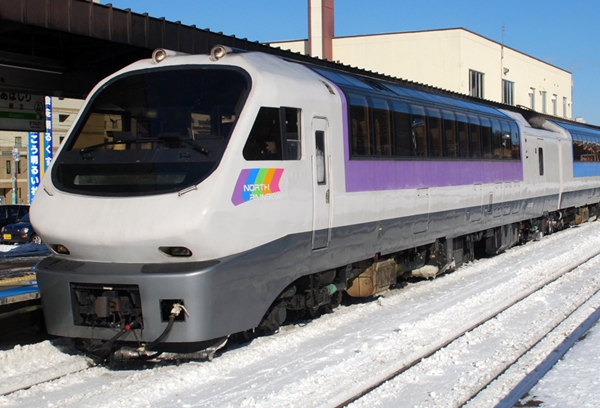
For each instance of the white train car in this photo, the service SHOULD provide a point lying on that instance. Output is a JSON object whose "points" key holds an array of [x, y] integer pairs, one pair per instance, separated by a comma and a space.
{"points": [[240, 186]]}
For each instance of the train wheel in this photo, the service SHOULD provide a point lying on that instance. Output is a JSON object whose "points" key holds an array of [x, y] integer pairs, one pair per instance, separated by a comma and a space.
{"points": [[315, 312], [336, 299]]}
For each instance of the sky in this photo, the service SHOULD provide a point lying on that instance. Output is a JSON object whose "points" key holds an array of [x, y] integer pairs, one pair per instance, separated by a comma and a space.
{"points": [[565, 34]]}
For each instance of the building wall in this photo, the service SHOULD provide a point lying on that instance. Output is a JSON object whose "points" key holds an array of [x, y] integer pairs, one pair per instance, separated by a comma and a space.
{"points": [[443, 59]]}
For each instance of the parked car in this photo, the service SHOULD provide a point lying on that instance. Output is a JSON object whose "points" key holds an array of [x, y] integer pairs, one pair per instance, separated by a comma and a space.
{"points": [[11, 213], [21, 232]]}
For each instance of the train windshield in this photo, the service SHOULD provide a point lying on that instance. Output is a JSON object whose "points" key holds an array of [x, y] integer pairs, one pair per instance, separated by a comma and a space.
{"points": [[152, 132]]}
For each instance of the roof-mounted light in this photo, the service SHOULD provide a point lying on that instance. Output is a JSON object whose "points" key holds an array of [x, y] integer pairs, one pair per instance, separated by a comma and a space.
{"points": [[219, 51], [160, 54]]}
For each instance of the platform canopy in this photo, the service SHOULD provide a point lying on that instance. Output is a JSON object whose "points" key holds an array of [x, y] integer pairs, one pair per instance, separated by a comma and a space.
{"points": [[64, 47]]}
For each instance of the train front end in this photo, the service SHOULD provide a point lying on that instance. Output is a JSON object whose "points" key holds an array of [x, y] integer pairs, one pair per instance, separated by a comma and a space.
{"points": [[133, 208]]}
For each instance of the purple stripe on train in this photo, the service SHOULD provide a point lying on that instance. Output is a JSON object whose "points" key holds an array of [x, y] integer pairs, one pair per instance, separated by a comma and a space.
{"points": [[376, 175]]}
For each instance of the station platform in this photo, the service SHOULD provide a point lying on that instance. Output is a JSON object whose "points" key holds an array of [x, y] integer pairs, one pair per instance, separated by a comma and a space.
{"points": [[18, 282], [18, 286]]}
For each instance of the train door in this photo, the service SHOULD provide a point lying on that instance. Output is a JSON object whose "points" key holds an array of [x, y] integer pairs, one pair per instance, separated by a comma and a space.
{"points": [[321, 199], [549, 168]]}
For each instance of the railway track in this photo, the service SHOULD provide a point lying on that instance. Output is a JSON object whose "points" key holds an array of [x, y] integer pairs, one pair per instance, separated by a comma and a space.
{"points": [[377, 349], [544, 339]]}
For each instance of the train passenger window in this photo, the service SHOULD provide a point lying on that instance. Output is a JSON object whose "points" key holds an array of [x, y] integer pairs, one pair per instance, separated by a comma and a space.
{"points": [[588, 154], [497, 140], [486, 138], [361, 126], [382, 128], [264, 142], [402, 130], [449, 134], [577, 147], [514, 141], [506, 139], [595, 148], [291, 121], [462, 127], [475, 134], [436, 146], [419, 131]]}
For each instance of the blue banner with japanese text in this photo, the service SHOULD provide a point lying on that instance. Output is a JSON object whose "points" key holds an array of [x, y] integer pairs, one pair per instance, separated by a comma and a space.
{"points": [[40, 151]]}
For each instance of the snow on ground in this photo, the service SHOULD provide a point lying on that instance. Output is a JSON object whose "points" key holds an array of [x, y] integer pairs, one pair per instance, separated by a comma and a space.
{"points": [[575, 379], [304, 363]]}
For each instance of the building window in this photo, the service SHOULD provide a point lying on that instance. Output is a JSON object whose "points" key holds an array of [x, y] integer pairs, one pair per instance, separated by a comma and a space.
{"points": [[544, 109], [18, 141], [564, 107], [62, 118], [555, 104], [476, 83], [532, 98], [508, 89], [8, 169]]}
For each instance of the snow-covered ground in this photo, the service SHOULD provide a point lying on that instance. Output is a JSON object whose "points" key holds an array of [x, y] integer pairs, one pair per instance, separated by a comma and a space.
{"points": [[319, 363], [6, 248], [575, 380]]}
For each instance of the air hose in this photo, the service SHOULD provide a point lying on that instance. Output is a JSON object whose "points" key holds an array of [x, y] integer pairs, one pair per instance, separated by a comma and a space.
{"points": [[126, 353], [107, 345]]}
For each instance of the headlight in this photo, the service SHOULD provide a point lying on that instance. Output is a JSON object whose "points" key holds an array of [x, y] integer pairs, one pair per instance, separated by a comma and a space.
{"points": [[24, 230]]}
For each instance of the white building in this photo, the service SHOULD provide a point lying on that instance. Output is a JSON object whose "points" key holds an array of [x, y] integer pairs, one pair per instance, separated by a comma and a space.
{"points": [[456, 60]]}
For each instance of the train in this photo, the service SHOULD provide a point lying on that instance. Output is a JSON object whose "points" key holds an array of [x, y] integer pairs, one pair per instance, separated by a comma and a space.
{"points": [[201, 196]]}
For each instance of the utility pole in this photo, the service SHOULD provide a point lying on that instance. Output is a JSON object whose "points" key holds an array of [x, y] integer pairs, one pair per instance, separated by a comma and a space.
{"points": [[16, 159]]}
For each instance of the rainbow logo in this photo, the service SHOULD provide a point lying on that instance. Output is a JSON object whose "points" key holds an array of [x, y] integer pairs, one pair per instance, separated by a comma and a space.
{"points": [[256, 184]]}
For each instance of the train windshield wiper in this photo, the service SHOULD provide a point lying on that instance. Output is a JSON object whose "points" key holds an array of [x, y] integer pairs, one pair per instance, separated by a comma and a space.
{"points": [[127, 137], [190, 142], [118, 138]]}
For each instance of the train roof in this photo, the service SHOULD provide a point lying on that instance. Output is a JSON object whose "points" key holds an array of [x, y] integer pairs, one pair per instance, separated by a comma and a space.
{"points": [[532, 117]]}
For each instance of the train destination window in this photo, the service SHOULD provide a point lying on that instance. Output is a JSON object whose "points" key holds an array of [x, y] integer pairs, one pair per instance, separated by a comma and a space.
{"points": [[272, 129]]}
